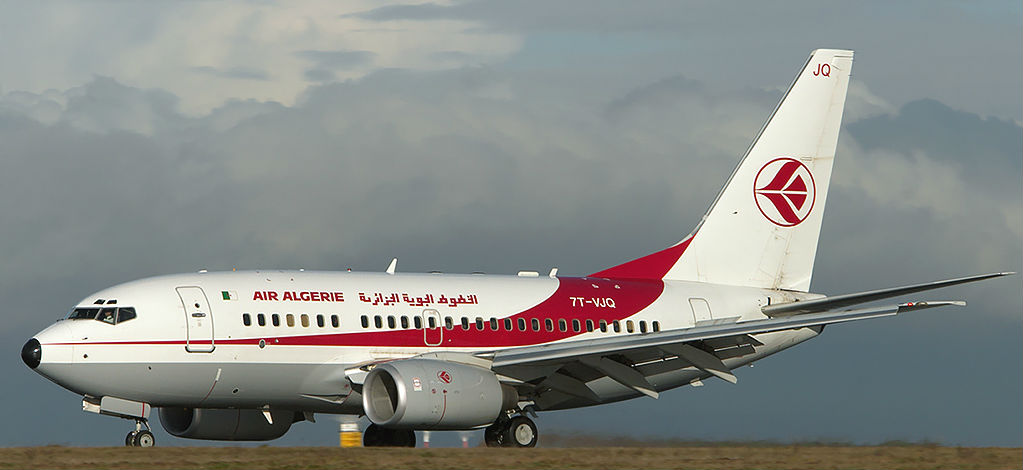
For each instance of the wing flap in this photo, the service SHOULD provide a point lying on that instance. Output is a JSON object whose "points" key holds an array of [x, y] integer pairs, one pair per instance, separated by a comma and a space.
{"points": [[560, 352]]}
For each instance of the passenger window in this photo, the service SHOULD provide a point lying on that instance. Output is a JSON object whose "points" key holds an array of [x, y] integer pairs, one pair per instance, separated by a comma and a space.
{"points": [[364, 319], [404, 322], [378, 321], [656, 325], [261, 319], [246, 319], [549, 324], [589, 325], [479, 323], [449, 323], [465, 323], [390, 322], [108, 315], [419, 322], [275, 319], [629, 326], [617, 326], [319, 321], [562, 325], [433, 322], [575, 325], [335, 321], [603, 326], [536, 324], [125, 313], [507, 324], [642, 326], [290, 319], [522, 324], [83, 314], [493, 324], [305, 321]]}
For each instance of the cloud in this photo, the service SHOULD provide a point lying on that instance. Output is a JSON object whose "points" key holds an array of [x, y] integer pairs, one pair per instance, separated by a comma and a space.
{"points": [[206, 52], [325, 63], [243, 73]]}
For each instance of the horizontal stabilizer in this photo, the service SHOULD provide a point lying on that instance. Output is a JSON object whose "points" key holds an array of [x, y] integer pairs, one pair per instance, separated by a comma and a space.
{"points": [[838, 301]]}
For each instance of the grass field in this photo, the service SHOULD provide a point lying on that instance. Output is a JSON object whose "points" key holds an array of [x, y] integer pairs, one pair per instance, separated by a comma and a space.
{"points": [[708, 457]]}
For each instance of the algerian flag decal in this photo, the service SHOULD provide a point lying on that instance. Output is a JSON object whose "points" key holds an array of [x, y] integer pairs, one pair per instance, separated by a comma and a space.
{"points": [[229, 295]]}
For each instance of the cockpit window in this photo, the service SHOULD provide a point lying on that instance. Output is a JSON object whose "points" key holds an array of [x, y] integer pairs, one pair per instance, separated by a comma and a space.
{"points": [[83, 314], [107, 315], [111, 301], [98, 302], [125, 313], [110, 315]]}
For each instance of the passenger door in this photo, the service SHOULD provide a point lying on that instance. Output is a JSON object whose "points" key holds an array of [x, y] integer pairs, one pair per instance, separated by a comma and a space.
{"points": [[198, 320]]}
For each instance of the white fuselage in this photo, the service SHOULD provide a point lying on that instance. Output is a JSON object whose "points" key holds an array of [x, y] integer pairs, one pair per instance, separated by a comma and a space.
{"points": [[286, 338]]}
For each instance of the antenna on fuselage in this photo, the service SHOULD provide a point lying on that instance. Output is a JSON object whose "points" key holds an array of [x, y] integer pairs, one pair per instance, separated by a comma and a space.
{"points": [[390, 267]]}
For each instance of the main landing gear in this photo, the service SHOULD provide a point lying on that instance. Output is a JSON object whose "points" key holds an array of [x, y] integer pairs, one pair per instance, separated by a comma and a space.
{"points": [[518, 431], [376, 436], [140, 437]]}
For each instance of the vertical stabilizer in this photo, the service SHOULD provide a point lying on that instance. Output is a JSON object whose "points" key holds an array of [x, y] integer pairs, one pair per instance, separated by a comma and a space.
{"points": [[763, 228]]}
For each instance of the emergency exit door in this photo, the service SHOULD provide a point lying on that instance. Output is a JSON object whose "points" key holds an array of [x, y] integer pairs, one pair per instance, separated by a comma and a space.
{"points": [[198, 320], [433, 332]]}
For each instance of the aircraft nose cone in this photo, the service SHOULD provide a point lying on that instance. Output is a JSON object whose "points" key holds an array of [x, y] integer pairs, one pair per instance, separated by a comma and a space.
{"points": [[32, 353]]}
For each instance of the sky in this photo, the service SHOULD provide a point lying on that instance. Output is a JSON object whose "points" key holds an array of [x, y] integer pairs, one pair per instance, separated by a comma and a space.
{"points": [[149, 138]]}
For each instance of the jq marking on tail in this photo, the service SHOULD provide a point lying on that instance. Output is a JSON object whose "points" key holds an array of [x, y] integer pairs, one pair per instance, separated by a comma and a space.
{"points": [[788, 185], [823, 70]]}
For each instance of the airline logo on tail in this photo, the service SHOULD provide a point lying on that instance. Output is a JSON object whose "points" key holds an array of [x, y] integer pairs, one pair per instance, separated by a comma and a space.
{"points": [[784, 191]]}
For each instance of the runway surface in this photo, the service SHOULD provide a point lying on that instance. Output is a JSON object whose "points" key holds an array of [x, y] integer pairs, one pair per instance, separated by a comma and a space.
{"points": [[710, 457]]}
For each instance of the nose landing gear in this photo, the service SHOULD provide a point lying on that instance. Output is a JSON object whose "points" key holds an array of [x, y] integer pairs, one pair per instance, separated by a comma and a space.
{"points": [[140, 437]]}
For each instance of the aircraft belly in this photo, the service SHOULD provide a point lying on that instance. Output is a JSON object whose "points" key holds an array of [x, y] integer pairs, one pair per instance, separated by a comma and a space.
{"points": [[306, 387]]}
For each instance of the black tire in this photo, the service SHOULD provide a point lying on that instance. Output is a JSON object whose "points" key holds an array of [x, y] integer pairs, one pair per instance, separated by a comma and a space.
{"points": [[375, 436], [144, 439], [494, 435], [521, 432], [129, 440], [403, 438]]}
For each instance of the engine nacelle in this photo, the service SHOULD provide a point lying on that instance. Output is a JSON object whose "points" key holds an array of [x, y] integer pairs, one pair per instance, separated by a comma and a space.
{"points": [[432, 394], [225, 425]]}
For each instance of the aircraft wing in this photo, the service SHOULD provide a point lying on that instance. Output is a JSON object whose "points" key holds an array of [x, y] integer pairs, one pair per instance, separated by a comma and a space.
{"points": [[567, 367], [603, 346], [838, 301]]}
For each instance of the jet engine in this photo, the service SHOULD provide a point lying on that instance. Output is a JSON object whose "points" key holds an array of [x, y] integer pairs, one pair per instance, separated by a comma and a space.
{"points": [[433, 394], [226, 425]]}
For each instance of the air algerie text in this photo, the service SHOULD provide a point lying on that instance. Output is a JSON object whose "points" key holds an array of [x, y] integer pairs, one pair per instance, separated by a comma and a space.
{"points": [[304, 296]]}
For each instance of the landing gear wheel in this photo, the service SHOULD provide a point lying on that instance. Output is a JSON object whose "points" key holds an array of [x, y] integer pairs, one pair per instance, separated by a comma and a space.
{"points": [[129, 440], [495, 434], [376, 436], [144, 439], [403, 438], [521, 432]]}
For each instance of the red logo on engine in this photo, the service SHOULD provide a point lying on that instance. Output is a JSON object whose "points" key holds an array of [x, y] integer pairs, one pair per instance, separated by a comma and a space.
{"points": [[784, 191], [444, 376]]}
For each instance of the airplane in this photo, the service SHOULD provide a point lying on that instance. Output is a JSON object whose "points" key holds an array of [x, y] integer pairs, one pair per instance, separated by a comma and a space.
{"points": [[244, 355]]}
